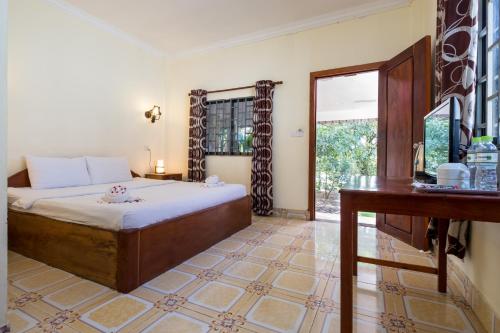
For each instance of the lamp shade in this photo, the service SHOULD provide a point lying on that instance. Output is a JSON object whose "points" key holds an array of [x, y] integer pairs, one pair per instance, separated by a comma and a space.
{"points": [[160, 166]]}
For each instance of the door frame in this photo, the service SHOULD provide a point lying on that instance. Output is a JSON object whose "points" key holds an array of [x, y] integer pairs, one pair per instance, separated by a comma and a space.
{"points": [[314, 76]]}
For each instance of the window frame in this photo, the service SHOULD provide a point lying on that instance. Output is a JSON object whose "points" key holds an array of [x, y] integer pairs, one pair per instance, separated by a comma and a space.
{"points": [[486, 121], [233, 127]]}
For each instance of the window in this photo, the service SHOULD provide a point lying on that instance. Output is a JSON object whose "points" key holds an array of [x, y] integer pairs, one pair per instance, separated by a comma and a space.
{"points": [[488, 68], [230, 126]]}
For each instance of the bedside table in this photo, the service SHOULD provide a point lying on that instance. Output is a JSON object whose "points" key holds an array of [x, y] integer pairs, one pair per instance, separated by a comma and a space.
{"points": [[164, 176]]}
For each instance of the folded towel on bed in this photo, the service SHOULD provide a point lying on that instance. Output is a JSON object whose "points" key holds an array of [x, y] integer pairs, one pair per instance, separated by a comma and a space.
{"points": [[212, 180], [118, 194], [219, 184]]}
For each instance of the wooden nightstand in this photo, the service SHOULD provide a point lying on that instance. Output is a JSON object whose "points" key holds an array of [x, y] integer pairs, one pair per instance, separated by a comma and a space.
{"points": [[164, 176]]}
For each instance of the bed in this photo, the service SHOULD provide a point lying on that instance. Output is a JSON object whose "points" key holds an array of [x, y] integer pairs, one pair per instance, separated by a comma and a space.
{"points": [[122, 246]]}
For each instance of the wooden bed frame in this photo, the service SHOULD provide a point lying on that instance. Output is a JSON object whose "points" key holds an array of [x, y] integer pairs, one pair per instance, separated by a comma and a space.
{"points": [[124, 259]]}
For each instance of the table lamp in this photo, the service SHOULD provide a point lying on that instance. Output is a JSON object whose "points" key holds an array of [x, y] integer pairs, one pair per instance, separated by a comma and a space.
{"points": [[160, 166]]}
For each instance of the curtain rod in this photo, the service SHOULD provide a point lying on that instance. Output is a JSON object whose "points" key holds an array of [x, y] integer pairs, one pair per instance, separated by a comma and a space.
{"points": [[237, 88]]}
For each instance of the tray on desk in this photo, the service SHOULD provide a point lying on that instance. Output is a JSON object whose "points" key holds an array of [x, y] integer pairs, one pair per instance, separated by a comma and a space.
{"points": [[430, 189]]}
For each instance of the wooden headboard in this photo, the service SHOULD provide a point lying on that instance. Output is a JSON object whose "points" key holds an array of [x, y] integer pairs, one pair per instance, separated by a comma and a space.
{"points": [[22, 179]]}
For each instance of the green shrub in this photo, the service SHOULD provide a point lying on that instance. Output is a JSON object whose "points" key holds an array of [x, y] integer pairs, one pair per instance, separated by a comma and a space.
{"points": [[344, 149]]}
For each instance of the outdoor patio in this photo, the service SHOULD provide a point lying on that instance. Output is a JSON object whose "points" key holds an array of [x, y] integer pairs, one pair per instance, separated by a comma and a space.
{"points": [[329, 209]]}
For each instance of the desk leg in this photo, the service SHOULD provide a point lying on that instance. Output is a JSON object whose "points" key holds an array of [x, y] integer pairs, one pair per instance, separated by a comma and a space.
{"points": [[443, 225], [346, 260], [355, 244]]}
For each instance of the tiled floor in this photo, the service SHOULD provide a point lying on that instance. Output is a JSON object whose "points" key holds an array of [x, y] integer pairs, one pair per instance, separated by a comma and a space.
{"points": [[277, 275]]}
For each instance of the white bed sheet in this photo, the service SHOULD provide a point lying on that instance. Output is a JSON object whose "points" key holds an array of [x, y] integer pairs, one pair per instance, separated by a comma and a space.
{"points": [[161, 200]]}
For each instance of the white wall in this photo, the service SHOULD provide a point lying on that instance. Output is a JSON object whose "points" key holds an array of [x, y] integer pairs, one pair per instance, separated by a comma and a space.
{"points": [[75, 88], [290, 58], [3, 162], [481, 262]]}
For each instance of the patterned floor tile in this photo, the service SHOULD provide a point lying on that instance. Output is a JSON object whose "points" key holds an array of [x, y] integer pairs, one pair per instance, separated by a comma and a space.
{"points": [[116, 313], [204, 260], [439, 314], [367, 297], [296, 282], [245, 270], [280, 240], [265, 252], [42, 280], [291, 230], [277, 275], [417, 280], [216, 296], [261, 226], [177, 323], [277, 314], [20, 321], [75, 294], [13, 257], [367, 273], [309, 245], [23, 265], [59, 321], [414, 259], [170, 282], [229, 245], [308, 261], [332, 325]]}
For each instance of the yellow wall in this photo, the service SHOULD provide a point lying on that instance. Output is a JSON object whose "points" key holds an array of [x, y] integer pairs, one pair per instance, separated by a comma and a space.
{"points": [[75, 88], [290, 58]]}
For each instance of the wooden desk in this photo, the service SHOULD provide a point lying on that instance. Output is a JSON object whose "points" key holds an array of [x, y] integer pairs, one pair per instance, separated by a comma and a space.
{"points": [[380, 195]]}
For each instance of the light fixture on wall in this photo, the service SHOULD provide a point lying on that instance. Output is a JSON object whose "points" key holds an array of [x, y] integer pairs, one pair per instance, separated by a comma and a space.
{"points": [[154, 114], [160, 166]]}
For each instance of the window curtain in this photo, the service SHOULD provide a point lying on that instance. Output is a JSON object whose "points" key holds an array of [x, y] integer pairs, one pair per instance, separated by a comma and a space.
{"points": [[262, 154], [197, 135], [456, 53], [455, 76]]}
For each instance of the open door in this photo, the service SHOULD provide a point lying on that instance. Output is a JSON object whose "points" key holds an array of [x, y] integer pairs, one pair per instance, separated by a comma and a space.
{"points": [[404, 100]]}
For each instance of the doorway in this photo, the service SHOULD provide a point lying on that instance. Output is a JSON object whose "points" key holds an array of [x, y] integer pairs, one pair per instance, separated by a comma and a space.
{"points": [[404, 98], [344, 113]]}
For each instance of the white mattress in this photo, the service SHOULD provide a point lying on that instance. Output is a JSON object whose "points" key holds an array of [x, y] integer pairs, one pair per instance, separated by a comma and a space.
{"points": [[161, 200]]}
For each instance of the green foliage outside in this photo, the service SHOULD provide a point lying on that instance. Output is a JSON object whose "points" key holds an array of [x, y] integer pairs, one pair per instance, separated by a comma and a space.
{"points": [[344, 149], [367, 214], [436, 142]]}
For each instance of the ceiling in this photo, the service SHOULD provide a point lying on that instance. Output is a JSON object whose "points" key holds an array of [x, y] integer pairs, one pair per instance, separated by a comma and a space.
{"points": [[179, 27], [348, 97]]}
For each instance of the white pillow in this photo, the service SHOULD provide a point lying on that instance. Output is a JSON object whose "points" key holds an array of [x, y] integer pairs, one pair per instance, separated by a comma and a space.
{"points": [[104, 170], [53, 172]]}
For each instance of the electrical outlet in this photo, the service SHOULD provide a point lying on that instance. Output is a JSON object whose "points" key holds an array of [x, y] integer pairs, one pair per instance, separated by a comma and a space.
{"points": [[147, 148], [297, 134]]}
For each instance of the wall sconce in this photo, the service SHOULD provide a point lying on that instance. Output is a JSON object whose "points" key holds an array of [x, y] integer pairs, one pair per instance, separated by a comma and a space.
{"points": [[160, 166], [154, 114]]}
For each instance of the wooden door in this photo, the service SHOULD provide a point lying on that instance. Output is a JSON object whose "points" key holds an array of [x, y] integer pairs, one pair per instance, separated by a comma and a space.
{"points": [[404, 100]]}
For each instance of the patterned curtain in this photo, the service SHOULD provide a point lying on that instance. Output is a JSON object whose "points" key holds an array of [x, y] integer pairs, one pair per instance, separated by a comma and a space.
{"points": [[262, 156], [456, 53], [197, 135]]}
